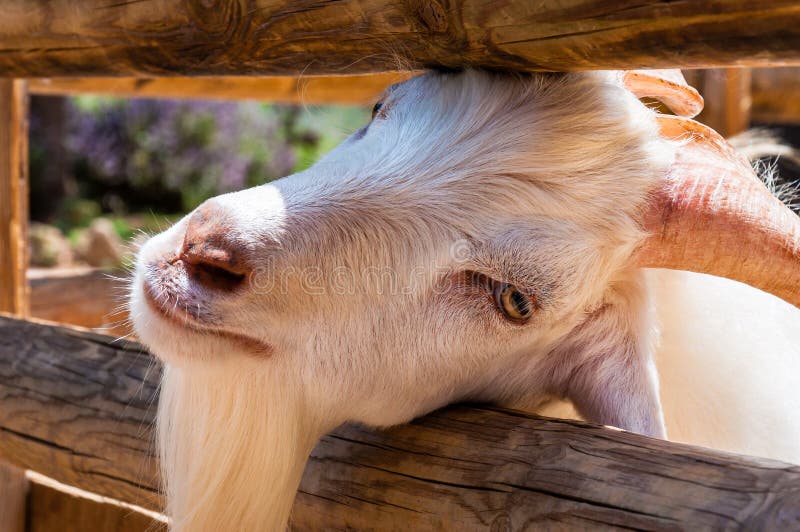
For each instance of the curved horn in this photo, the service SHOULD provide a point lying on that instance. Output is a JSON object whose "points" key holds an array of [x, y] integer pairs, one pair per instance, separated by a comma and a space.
{"points": [[713, 215], [667, 86]]}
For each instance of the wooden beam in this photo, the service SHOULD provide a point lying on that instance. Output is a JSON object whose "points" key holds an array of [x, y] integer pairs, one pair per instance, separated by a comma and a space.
{"points": [[78, 407], [317, 90], [280, 37], [13, 196]]}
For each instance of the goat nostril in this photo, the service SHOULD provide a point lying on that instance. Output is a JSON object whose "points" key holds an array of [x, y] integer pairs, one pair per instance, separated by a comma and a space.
{"points": [[209, 253], [214, 276], [212, 268]]}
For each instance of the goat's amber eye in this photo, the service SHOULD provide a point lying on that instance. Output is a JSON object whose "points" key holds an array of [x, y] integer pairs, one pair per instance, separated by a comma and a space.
{"points": [[376, 109], [515, 305]]}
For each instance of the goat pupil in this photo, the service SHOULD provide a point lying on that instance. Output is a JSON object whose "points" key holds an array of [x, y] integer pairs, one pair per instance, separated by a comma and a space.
{"points": [[521, 303]]}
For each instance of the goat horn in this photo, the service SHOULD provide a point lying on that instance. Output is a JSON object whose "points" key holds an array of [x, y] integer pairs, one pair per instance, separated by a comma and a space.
{"points": [[667, 86], [711, 214]]}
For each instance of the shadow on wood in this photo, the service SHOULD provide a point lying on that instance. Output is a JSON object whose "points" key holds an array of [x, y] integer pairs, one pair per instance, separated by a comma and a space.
{"points": [[78, 407]]}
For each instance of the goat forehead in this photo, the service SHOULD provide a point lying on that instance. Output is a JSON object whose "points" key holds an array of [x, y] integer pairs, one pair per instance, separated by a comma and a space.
{"points": [[444, 154], [458, 136]]}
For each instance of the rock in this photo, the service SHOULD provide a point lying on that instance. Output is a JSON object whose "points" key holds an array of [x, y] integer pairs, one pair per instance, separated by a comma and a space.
{"points": [[48, 246], [100, 245]]}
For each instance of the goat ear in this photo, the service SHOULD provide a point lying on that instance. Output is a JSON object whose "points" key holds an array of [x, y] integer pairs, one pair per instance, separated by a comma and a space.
{"points": [[608, 368]]}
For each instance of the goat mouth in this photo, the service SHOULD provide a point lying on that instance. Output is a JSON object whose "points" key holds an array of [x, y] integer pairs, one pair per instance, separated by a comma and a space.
{"points": [[179, 318]]}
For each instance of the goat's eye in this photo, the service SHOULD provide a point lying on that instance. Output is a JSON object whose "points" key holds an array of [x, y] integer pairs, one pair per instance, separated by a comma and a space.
{"points": [[515, 305], [376, 109]]}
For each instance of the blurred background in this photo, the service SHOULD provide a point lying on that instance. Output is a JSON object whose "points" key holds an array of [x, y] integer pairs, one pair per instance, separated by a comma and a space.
{"points": [[104, 170]]}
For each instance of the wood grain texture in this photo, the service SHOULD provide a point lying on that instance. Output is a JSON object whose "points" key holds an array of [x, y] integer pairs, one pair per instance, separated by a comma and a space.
{"points": [[78, 407], [13, 196], [283, 37], [317, 90]]}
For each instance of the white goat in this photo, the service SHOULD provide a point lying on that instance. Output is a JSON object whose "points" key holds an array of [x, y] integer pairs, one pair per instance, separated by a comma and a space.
{"points": [[483, 238]]}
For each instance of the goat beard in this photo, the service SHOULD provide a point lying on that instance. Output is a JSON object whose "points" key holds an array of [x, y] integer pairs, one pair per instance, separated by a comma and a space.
{"points": [[233, 440]]}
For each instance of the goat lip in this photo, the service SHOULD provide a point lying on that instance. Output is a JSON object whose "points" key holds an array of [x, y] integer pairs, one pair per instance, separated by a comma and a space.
{"points": [[178, 319]]}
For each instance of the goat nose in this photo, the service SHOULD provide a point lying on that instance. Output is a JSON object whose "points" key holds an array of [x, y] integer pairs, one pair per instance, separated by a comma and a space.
{"points": [[210, 252]]}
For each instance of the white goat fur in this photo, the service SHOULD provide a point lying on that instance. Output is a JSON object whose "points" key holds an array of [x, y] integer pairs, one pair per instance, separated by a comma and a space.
{"points": [[538, 181]]}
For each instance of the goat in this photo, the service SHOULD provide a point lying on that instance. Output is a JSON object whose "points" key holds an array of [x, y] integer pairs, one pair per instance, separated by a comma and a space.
{"points": [[485, 237]]}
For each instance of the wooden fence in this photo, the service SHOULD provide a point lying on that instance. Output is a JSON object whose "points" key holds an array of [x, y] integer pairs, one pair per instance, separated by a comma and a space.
{"points": [[78, 407]]}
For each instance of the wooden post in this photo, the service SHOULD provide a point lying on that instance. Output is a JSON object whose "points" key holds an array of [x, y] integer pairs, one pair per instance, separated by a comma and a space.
{"points": [[727, 100], [13, 196], [13, 259]]}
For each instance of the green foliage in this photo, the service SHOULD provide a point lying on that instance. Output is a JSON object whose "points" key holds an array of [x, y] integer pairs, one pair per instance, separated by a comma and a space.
{"points": [[168, 156]]}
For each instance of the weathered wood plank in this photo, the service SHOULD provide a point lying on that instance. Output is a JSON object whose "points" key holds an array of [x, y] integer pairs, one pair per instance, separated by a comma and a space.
{"points": [[281, 37], [318, 90], [78, 407]]}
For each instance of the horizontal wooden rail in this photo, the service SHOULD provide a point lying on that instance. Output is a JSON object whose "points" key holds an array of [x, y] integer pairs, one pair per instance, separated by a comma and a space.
{"points": [[775, 91], [78, 407], [81, 296], [318, 90], [280, 37]]}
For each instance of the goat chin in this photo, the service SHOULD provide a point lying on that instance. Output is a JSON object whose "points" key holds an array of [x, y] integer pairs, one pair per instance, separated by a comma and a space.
{"points": [[729, 366], [234, 439]]}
